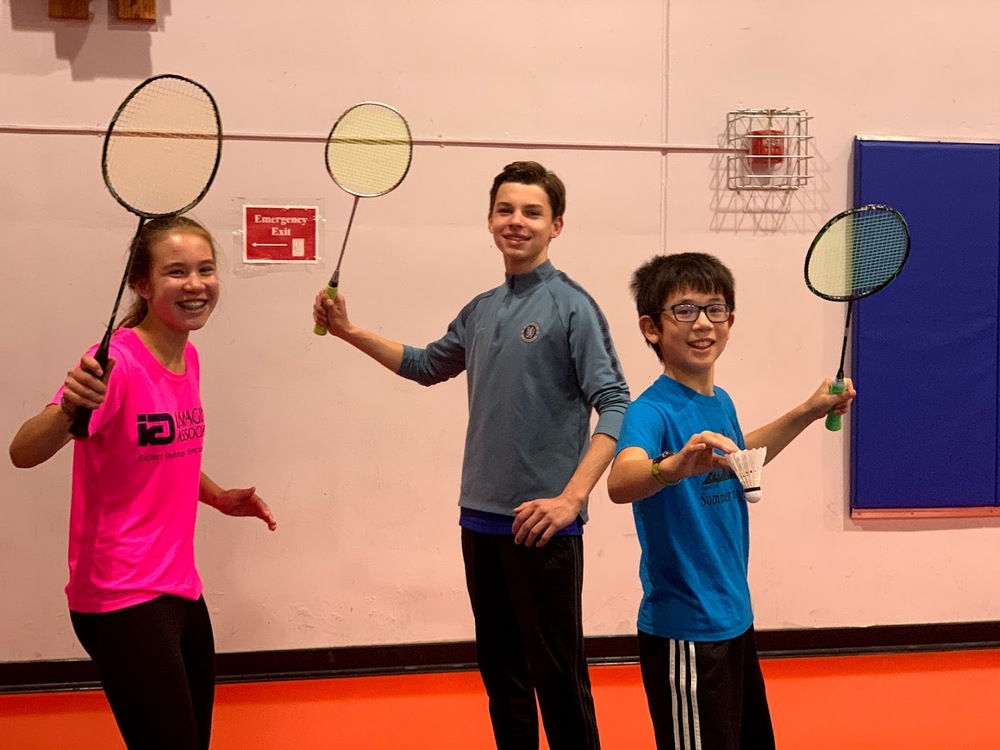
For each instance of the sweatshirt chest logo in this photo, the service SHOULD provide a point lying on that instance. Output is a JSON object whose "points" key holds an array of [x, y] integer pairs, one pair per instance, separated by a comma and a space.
{"points": [[530, 333]]}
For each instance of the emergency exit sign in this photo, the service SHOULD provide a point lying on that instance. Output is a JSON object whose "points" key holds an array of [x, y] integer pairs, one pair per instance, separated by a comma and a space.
{"points": [[279, 234]]}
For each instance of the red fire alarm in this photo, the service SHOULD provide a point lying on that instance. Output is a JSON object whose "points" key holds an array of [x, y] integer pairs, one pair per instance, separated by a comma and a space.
{"points": [[767, 148]]}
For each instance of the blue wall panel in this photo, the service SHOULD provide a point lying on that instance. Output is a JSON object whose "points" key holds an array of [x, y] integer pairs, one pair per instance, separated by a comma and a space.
{"points": [[925, 349]]}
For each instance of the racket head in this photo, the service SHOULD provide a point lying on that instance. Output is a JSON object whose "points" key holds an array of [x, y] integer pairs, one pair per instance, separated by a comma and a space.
{"points": [[163, 146], [369, 149], [857, 253]]}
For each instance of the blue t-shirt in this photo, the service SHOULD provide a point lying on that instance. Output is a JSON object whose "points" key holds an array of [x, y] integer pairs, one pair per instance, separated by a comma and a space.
{"points": [[695, 536]]}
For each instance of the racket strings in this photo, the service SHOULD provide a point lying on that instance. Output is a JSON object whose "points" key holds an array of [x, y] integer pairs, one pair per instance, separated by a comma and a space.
{"points": [[858, 255], [163, 147], [369, 149]]}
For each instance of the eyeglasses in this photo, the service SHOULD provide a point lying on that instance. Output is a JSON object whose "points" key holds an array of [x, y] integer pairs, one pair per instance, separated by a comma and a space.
{"points": [[716, 312]]}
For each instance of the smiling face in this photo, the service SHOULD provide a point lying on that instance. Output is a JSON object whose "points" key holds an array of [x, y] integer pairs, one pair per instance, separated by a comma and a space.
{"points": [[522, 226], [183, 287], [689, 350]]}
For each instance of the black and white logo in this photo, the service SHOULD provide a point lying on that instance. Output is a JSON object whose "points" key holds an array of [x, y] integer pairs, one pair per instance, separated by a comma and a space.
{"points": [[530, 332], [155, 429]]}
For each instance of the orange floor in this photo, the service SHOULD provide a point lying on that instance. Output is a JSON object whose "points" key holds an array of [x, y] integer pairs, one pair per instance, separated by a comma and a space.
{"points": [[932, 701]]}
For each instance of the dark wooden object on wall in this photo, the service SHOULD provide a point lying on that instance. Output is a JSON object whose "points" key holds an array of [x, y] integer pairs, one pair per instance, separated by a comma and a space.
{"points": [[137, 10], [78, 9], [128, 10]]}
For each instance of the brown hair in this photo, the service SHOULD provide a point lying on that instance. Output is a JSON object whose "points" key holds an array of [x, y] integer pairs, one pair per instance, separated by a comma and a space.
{"points": [[532, 173], [142, 260]]}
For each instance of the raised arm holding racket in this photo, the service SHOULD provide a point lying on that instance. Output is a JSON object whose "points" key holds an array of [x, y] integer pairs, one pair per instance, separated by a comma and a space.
{"points": [[368, 154], [539, 362], [161, 153]]}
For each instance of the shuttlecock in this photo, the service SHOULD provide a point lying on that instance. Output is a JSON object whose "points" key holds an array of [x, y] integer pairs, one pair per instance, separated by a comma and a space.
{"points": [[747, 465]]}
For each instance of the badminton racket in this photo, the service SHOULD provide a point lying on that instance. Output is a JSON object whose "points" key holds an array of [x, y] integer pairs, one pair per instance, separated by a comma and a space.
{"points": [[368, 154], [856, 254], [161, 153]]}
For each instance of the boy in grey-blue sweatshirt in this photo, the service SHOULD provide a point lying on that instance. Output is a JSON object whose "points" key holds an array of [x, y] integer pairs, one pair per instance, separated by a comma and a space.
{"points": [[539, 360]]}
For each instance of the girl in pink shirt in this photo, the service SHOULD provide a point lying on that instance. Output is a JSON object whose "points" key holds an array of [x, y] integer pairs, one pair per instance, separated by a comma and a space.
{"points": [[134, 594]]}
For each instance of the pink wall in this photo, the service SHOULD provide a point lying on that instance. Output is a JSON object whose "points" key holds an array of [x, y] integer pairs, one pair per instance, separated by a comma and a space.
{"points": [[362, 467]]}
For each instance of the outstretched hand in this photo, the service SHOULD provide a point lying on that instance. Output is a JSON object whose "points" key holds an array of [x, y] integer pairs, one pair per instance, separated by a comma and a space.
{"points": [[245, 502]]}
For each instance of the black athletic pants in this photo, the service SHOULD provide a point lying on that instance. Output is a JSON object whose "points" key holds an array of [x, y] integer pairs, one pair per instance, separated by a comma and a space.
{"points": [[529, 639], [157, 666]]}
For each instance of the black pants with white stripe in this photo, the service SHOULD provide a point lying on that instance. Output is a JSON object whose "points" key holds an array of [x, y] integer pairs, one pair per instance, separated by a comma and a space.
{"points": [[529, 639], [706, 695]]}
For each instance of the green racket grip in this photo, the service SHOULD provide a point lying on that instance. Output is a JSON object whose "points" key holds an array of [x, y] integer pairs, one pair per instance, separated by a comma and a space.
{"points": [[331, 292], [834, 421]]}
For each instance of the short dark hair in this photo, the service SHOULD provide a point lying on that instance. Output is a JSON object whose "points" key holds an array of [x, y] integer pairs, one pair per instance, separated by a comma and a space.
{"points": [[533, 173], [664, 275]]}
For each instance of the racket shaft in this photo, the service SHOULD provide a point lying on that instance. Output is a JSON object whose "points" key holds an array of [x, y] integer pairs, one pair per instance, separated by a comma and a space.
{"points": [[331, 288], [834, 421], [81, 423]]}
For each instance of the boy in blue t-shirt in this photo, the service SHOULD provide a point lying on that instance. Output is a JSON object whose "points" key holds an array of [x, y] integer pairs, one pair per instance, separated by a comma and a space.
{"points": [[697, 652]]}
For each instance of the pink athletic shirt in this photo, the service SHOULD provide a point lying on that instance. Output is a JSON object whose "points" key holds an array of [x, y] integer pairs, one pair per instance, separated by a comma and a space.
{"points": [[135, 484]]}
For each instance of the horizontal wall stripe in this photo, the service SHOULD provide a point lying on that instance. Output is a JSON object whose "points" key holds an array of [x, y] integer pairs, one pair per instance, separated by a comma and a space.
{"points": [[411, 658]]}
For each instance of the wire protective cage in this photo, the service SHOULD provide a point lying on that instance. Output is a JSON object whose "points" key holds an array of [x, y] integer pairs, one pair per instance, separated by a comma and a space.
{"points": [[772, 148]]}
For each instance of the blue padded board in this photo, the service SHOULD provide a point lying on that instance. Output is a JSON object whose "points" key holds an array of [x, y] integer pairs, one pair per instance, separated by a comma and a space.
{"points": [[925, 349]]}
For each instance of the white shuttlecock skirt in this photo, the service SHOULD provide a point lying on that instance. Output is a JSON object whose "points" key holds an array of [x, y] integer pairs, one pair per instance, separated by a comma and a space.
{"points": [[747, 465]]}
